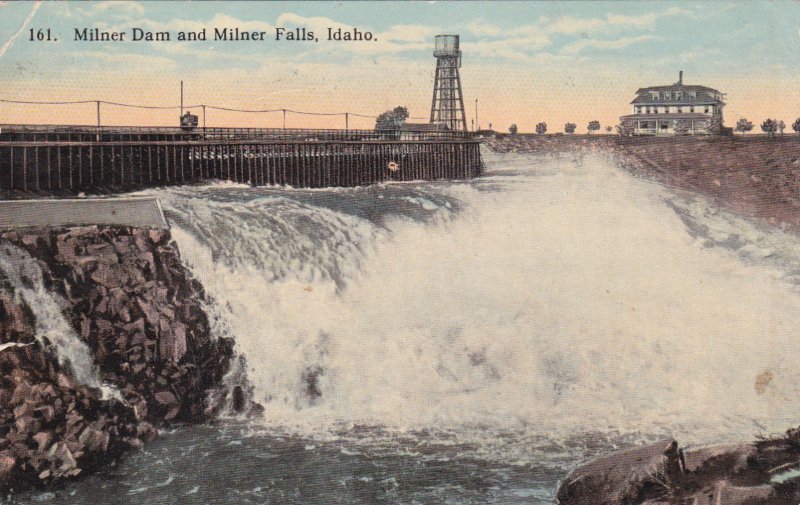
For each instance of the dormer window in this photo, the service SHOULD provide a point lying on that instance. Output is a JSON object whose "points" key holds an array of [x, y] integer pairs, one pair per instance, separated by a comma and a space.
{"points": [[667, 95], [679, 95], [693, 95], [654, 95]]}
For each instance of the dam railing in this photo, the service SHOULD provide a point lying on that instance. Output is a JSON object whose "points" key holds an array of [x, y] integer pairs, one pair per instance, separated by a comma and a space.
{"points": [[69, 159]]}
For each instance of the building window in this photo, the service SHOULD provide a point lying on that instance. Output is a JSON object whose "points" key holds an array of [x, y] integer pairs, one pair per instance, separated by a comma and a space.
{"points": [[693, 94], [707, 110], [691, 108], [678, 95]]}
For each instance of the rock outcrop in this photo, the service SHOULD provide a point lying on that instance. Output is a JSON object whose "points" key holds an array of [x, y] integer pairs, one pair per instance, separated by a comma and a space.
{"points": [[129, 299], [766, 472]]}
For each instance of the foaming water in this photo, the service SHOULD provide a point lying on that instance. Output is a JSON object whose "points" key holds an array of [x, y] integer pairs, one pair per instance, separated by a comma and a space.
{"points": [[52, 329], [563, 294], [470, 342]]}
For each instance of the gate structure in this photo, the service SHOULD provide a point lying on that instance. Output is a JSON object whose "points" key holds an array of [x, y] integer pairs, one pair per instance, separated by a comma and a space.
{"points": [[70, 159]]}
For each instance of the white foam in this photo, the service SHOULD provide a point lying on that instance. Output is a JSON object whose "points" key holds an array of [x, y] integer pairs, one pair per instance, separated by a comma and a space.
{"points": [[566, 297]]}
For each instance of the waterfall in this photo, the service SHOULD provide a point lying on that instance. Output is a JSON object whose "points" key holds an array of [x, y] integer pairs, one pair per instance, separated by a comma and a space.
{"points": [[52, 329], [556, 294]]}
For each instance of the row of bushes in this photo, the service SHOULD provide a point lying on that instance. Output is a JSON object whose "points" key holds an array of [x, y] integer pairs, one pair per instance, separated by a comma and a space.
{"points": [[569, 128], [769, 126]]}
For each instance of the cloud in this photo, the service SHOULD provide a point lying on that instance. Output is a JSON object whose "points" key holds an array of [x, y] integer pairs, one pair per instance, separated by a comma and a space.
{"points": [[122, 9], [483, 29], [218, 21], [569, 25], [579, 45], [10, 42], [126, 60], [397, 39], [410, 33]]}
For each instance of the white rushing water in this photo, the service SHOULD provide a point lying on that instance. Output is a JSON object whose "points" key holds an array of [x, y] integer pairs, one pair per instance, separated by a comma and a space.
{"points": [[52, 329], [556, 295]]}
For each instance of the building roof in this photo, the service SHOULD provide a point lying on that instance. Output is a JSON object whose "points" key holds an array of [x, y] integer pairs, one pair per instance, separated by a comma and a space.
{"points": [[677, 87], [704, 95]]}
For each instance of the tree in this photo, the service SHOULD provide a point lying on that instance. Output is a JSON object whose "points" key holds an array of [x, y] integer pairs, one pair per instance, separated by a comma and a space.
{"points": [[781, 126], [570, 128], [392, 119], [796, 125], [608, 129], [541, 128], [769, 126], [512, 129], [593, 126], [743, 125]]}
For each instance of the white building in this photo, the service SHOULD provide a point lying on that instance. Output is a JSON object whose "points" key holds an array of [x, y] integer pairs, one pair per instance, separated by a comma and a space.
{"points": [[678, 109]]}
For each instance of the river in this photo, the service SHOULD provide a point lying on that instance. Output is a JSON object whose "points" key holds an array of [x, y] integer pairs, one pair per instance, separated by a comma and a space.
{"points": [[468, 342]]}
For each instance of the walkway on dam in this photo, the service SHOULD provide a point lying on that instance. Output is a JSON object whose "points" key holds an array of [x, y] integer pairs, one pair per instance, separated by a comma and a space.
{"points": [[143, 212]]}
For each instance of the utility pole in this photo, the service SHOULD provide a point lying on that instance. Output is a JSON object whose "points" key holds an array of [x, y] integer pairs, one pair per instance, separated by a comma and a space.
{"points": [[477, 124], [98, 120], [284, 118], [181, 98], [346, 121]]}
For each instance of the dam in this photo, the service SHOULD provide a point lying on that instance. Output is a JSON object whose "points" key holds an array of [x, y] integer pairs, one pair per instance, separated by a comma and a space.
{"points": [[64, 160]]}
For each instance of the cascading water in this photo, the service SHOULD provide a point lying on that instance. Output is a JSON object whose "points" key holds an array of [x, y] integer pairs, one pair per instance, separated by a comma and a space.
{"points": [[470, 342], [570, 297], [52, 329]]}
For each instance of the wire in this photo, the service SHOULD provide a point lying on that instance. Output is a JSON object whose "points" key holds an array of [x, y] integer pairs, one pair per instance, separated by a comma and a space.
{"points": [[239, 110], [48, 103], [138, 106], [204, 106]]}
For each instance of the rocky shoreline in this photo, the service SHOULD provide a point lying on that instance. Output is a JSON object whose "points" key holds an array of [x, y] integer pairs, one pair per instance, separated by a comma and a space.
{"points": [[124, 295], [761, 473]]}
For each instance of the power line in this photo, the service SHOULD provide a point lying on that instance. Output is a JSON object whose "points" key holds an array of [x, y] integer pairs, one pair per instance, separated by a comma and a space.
{"points": [[138, 106], [47, 103], [205, 106]]}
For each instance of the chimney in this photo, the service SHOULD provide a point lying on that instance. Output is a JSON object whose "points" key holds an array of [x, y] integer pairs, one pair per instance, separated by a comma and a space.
{"points": [[680, 78]]}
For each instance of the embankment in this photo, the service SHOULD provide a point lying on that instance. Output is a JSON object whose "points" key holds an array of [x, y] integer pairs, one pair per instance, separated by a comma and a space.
{"points": [[756, 176], [102, 340]]}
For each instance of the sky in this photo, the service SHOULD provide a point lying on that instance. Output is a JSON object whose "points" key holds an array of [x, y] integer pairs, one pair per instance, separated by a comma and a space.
{"points": [[524, 62]]}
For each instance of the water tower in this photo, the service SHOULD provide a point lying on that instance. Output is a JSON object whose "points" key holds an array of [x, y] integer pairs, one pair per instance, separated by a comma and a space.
{"points": [[447, 107]]}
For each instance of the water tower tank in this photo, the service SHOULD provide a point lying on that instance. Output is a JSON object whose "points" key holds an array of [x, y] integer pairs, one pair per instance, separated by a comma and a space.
{"points": [[446, 45]]}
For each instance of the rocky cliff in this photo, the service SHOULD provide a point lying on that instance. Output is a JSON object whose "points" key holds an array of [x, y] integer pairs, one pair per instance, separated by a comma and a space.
{"points": [[120, 296]]}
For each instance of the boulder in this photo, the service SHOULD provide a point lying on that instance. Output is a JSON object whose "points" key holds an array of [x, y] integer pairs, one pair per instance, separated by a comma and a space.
{"points": [[7, 464], [629, 476]]}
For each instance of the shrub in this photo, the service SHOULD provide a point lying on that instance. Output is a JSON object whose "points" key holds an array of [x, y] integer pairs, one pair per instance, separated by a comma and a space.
{"points": [[743, 125], [769, 126]]}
